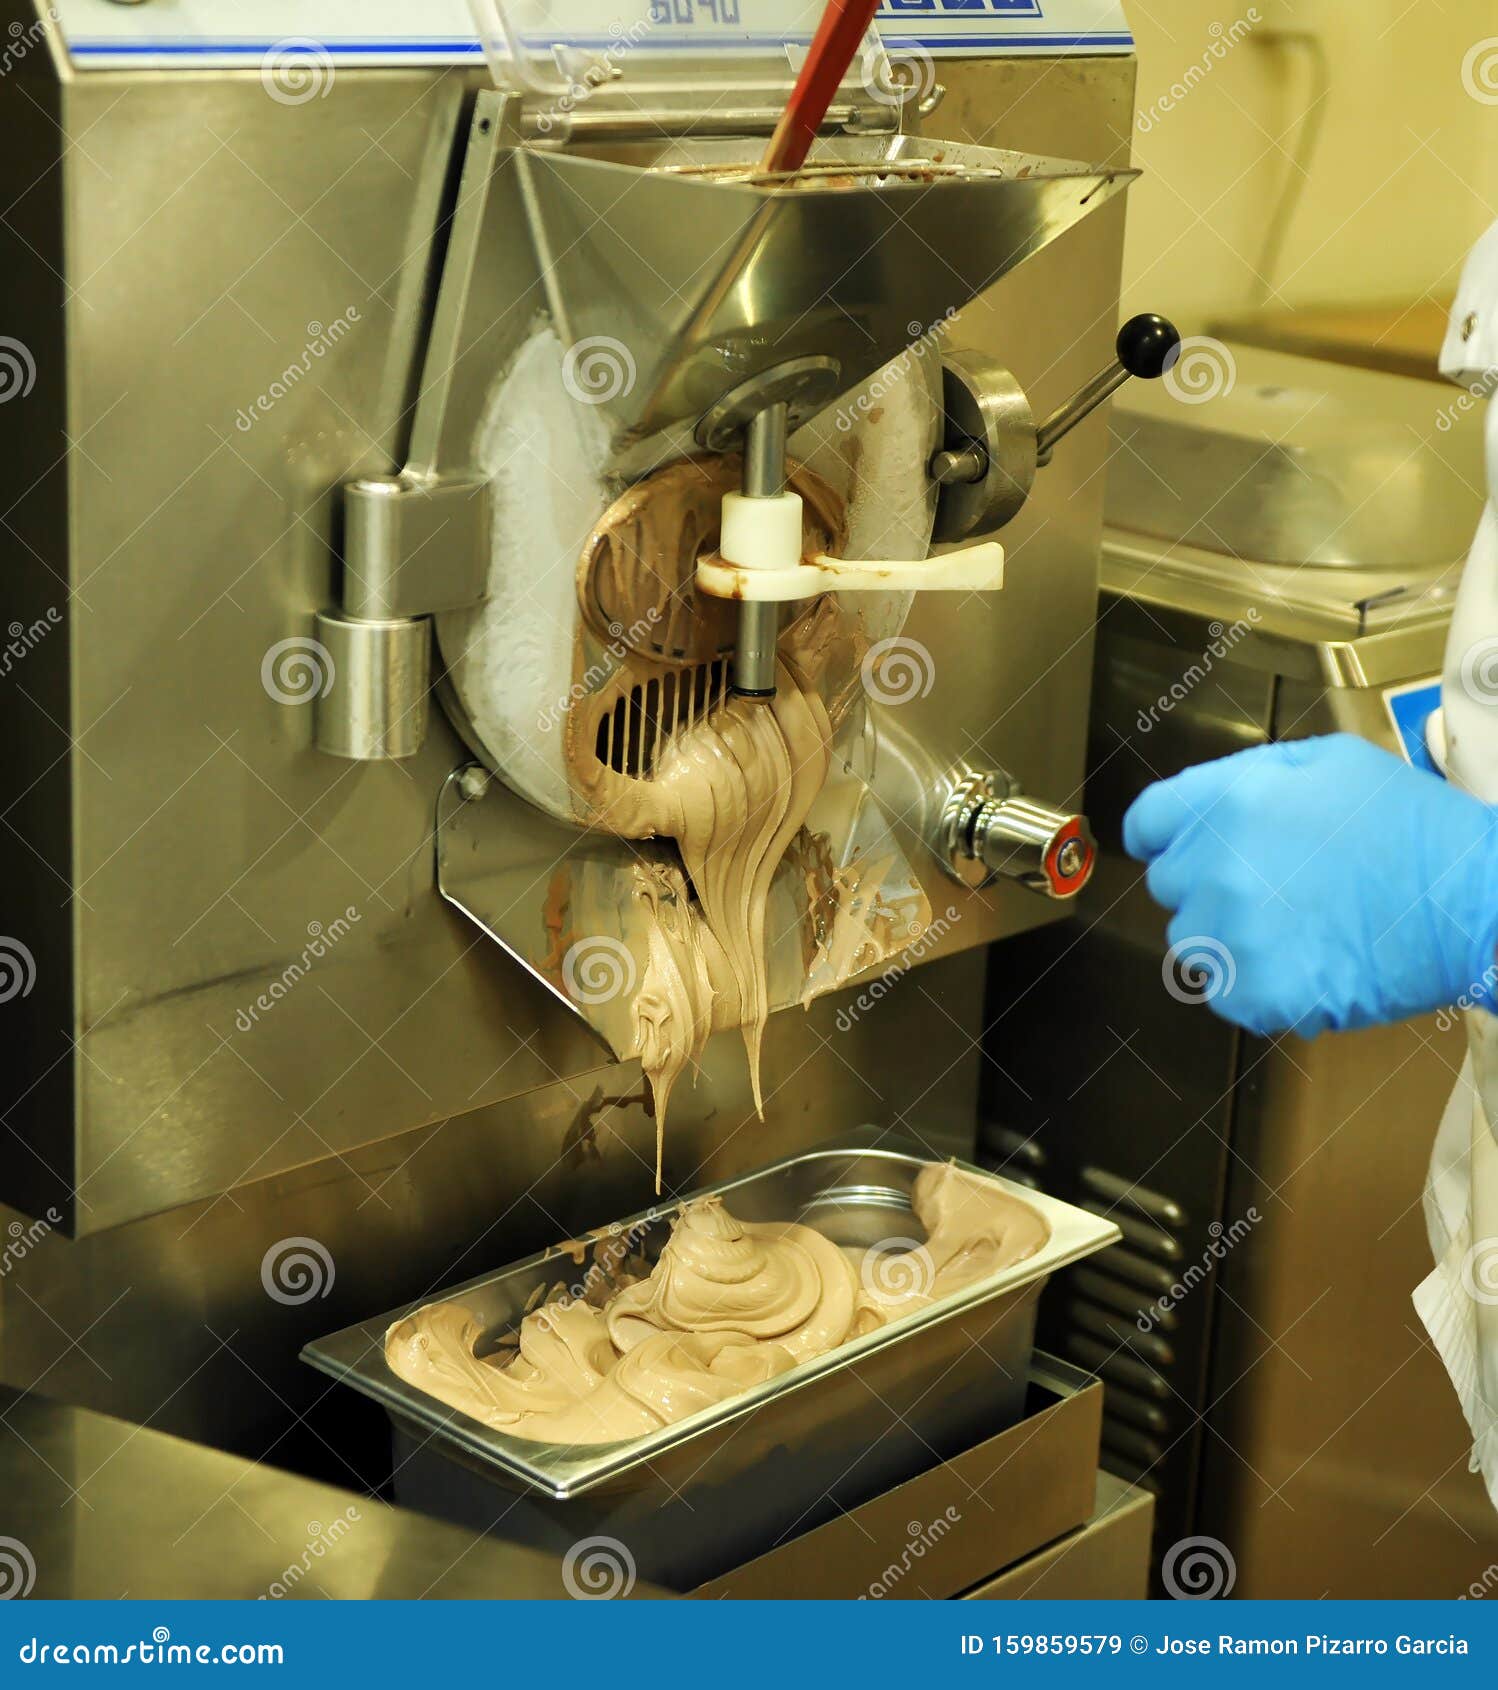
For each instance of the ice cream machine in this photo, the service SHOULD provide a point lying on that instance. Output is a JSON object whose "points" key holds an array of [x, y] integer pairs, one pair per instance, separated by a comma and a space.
{"points": [[425, 435], [684, 341]]}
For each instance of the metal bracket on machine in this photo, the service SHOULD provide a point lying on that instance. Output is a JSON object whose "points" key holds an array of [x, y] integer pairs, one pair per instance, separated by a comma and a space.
{"points": [[416, 543], [492, 856], [413, 546]]}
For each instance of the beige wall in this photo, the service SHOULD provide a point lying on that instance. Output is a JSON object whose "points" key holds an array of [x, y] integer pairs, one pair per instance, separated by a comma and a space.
{"points": [[1405, 178]]}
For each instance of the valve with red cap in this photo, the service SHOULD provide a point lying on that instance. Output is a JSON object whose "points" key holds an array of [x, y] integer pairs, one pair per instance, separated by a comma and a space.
{"points": [[992, 831]]}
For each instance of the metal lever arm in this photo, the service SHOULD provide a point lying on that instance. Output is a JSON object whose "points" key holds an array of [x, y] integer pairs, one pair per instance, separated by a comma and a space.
{"points": [[1146, 347]]}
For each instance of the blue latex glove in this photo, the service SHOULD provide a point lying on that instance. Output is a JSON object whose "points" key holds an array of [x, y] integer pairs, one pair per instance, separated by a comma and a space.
{"points": [[1320, 884]]}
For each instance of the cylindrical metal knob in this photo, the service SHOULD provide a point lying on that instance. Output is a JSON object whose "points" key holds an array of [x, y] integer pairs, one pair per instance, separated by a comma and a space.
{"points": [[959, 468], [989, 829], [1047, 850], [374, 705]]}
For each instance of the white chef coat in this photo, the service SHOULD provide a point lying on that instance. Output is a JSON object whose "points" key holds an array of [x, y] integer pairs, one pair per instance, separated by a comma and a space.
{"points": [[1458, 1302]]}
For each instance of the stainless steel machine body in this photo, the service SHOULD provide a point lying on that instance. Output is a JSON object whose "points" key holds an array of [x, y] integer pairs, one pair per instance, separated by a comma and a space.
{"points": [[1279, 562], [243, 966], [253, 1020]]}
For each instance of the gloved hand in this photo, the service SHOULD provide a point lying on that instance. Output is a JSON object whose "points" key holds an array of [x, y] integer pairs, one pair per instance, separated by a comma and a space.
{"points": [[1322, 883]]}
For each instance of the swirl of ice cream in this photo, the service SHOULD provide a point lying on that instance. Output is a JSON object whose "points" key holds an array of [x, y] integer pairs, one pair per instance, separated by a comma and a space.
{"points": [[563, 1354], [663, 1379], [716, 1274], [973, 1228], [728, 1305]]}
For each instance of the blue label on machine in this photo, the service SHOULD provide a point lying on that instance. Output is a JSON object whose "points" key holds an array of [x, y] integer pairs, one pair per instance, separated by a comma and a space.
{"points": [[1411, 708], [192, 34], [1036, 26]]}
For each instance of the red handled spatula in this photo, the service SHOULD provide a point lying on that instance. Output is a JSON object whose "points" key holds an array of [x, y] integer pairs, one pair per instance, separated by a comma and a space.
{"points": [[844, 24]]}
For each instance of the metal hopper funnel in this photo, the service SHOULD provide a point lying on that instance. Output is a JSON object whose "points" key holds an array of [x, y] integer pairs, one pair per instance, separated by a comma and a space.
{"points": [[689, 276]]}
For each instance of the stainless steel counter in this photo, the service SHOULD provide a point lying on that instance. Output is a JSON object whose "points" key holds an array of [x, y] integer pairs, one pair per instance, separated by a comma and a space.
{"points": [[98, 1508]]}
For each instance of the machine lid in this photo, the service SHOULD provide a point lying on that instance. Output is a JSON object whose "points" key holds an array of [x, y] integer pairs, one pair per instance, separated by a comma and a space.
{"points": [[631, 51], [1282, 460]]}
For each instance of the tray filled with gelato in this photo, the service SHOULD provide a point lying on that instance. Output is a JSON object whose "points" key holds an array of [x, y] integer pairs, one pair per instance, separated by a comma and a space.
{"points": [[724, 1372]]}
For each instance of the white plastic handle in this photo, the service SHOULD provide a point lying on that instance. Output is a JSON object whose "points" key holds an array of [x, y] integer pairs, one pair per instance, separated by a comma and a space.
{"points": [[975, 569]]}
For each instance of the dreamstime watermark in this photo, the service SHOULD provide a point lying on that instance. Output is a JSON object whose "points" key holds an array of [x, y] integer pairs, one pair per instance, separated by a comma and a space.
{"points": [[899, 79], [597, 969], [23, 37], [26, 637], [877, 990], [17, 970], [297, 70], [296, 1271], [1481, 1585], [1199, 969], [298, 670], [598, 370], [598, 1569], [1480, 71], [600, 69], [17, 369], [611, 1248], [1223, 39], [321, 339], [1467, 400], [156, 1650], [1477, 996], [320, 1539], [1223, 1239], [621, 639], [1198, 1569], [923, 337], [1223, 639], [17, 1569], [919, 1539], [23, 1239], [1480, 1272], [320, 940], [1479, 670], [897, 670], [898, 1270], [1200, 369]]}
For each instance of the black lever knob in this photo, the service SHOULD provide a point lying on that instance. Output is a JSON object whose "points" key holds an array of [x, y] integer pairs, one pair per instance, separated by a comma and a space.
{"points": [[1147, 345]]}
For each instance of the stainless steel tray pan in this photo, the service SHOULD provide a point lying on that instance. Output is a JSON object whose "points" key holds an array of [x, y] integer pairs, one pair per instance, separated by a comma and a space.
{"points": [[707, 1492]]}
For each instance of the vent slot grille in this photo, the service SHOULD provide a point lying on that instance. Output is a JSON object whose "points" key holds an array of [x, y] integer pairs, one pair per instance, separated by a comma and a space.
{"points": [[632, 736]]}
